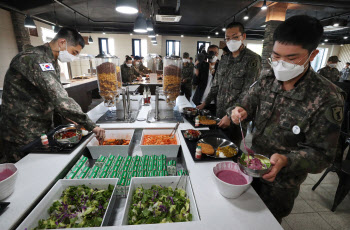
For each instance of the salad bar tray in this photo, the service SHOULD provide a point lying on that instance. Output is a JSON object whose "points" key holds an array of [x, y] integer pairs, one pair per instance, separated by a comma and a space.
{"points": [[36, 146], [192, 145]]}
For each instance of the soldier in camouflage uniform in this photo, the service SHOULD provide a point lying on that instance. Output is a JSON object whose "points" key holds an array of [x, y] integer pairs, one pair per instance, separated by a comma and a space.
{"points": [[187, 74], [297, 114], [32, 91], [129, 73], [236, 72], [330, 71], [143, 70]]}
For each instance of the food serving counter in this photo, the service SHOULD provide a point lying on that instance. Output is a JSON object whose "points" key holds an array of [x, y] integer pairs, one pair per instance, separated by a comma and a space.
{"points": [[37, 173]]}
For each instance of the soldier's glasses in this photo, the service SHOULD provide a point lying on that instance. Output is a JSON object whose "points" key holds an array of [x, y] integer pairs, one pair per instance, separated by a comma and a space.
{"points": [[288, 65], [232, 38]]}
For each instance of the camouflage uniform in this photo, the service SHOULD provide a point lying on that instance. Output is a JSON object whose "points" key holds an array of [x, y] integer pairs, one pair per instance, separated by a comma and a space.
{"points": [[231, 82], [143, 70], [128, 73], [331, 74], [29, 99], [187, 74], [303, 124]]}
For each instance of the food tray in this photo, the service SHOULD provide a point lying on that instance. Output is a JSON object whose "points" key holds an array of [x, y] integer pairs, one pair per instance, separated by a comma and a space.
{"points": [[124, 150], [191, 145], [183, 182], [40, 211], [191, 120], [36, 146], [167, 150]]}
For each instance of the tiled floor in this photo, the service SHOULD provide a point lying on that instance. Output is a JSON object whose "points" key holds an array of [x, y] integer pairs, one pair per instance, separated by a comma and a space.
{"points": [[312, 209]]}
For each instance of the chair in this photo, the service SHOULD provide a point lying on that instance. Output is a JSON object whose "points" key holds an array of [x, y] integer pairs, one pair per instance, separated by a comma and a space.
{"points": [[342, 168]]}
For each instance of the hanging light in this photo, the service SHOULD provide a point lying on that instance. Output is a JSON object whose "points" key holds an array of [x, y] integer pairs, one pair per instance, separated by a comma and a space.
{"points": [[130, 34], [246, 16], [209, 37], [345, 37], [29, 22], [149, 25], [216, 33], [157, 35], [151, 34], [153, 40], [182, 35], [223, 29], [56, 27], [326, 40], [140, 25], [264, 6], [126, 6], [90, 40]]}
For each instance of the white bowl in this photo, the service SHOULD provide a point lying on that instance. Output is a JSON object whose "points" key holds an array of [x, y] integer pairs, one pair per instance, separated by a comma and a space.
{"points": [[8, 185], [230, 190]]}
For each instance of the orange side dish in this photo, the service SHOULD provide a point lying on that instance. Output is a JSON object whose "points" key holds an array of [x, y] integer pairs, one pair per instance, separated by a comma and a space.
{"points": [[159, 140]]}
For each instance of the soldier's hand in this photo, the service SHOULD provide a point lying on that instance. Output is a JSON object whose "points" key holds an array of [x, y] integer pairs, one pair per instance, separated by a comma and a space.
{"points": [[100, 133], [278, 161], [224, 122], [237, 113], [201, 106]]}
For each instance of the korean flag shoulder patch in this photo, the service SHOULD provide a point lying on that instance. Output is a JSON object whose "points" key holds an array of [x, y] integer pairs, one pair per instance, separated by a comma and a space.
{"points": [[47, 67]]}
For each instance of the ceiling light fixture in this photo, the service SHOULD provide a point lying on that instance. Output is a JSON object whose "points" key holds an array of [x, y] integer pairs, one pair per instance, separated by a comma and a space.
{"points": [[326, 40], [140, 25], [126, 6], [224, 29], [157, 35], [131, 34], [216, 33], [151, 34], [341, 45], [182, 35], [56, 28], [246, 16], [323, 44], [264, 6], [209, 37], [345, 37], [29, 22], [149, 25]]}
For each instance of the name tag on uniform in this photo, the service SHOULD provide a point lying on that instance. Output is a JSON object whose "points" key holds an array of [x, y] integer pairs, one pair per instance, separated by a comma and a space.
{"points": [[47, 67]]}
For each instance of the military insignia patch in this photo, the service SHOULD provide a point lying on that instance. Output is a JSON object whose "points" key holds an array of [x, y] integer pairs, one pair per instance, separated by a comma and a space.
{"points": [[46, 67], [338, 113]]}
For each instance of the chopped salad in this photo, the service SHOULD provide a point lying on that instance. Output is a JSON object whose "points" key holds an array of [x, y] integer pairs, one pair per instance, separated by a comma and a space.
{"points": [[254, 162], [78, 206], [159, 205]]}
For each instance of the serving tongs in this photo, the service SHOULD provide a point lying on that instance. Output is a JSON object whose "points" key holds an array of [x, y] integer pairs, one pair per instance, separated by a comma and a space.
{"points": [[172, 134], [249, 151]]}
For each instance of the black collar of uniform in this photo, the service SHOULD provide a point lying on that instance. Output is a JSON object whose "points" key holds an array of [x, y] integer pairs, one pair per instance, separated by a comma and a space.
{"points": [[299, 90]]}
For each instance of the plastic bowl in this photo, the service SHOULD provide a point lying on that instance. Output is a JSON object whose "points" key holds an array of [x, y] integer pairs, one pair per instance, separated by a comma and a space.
{"points": [[252, 172], [7, 186], [230, 190]]}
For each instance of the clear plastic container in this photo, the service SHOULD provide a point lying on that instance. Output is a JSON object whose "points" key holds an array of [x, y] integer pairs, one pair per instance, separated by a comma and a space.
{"points": [[109, 78], [172, 78]]}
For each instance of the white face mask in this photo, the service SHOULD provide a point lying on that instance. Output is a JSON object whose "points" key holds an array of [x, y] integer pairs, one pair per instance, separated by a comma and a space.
{"points": [[128, 65], [214, 59], [137, 63], [233, 45], [184, 60], [65, 56], [285, 71], [332, 65]]}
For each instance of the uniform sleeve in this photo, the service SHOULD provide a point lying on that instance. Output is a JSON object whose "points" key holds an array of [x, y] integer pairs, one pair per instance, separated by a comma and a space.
{"points": [[187, 74], [253, 69], [52, 90], [319, 148], [214, 87]]}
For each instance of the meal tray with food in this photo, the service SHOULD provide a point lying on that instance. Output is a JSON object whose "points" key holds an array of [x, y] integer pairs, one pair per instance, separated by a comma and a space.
{"points": [[53, 147], [41, 211], [179, 182], [204, 121], [217, 133]]}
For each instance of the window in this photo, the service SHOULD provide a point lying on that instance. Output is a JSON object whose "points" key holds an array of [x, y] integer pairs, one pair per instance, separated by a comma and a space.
{"points": [[257, 48], [136, 47], [103, 45], [320, 59], [47, 34], [200, 43], [172, 48]]}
